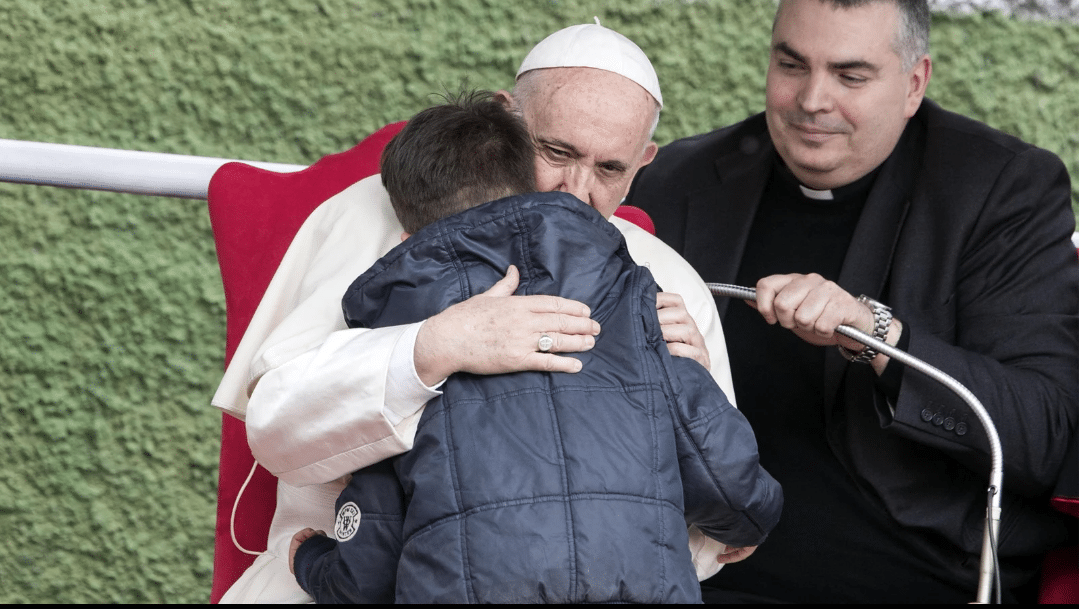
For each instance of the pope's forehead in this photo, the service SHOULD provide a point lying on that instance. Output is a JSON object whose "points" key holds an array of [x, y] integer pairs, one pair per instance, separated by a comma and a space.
{"points": [[590, 83], [589, 101]]}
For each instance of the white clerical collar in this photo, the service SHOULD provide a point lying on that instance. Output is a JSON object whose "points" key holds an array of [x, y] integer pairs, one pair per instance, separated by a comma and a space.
{"points": [[820, 195]]}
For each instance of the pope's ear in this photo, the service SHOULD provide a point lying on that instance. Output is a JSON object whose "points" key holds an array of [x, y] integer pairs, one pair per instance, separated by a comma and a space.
{"points": [[403, 237], [649, 153], [505, 98]]}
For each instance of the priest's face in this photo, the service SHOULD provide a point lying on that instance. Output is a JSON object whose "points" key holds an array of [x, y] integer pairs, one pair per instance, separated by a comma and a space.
{"points": [[838, 95]]}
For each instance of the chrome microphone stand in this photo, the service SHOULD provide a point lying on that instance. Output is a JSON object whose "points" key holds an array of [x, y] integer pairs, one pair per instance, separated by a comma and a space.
{"points": [[989, 579]]}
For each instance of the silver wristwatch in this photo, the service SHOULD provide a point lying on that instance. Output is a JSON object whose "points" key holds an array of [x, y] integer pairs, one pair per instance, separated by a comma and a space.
{"points": [[882, 319]]}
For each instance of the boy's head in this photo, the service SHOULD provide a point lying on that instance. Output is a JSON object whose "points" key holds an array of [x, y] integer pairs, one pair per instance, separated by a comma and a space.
{"points": [[455, 156]]}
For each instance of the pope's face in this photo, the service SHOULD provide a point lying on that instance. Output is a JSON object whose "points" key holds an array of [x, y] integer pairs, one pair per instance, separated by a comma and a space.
{"points": [[838, 96], [591, 130]]}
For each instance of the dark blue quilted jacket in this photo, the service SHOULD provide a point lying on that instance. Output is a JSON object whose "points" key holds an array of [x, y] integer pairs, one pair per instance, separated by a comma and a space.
{"points": [[540, 487]]}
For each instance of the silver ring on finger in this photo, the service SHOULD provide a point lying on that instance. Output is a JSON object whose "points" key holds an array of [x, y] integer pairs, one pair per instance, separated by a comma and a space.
{"points": [[545, 343]]}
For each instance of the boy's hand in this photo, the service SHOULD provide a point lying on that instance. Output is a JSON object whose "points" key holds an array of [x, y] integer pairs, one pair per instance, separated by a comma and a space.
{"points": [[299, 538], [732, 555]]}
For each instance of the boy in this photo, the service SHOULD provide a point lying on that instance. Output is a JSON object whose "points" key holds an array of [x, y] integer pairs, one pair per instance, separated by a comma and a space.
{"points": [[532, 487]]}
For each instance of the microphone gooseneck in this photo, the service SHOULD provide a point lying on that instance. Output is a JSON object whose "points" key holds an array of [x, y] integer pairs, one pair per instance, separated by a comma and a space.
{"points": [[989, 574]]}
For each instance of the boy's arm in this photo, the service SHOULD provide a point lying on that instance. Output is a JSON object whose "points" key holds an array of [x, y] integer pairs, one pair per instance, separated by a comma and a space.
{"points": [[323, 572], [360, 569], [728, 495]]}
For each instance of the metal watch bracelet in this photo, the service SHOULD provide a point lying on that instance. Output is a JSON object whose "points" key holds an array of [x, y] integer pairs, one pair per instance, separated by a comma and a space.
{"points": [[882, 319]]}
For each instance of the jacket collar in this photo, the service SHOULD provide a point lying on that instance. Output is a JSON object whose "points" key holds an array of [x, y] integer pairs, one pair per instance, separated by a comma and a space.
{"points": [[560, 245]]}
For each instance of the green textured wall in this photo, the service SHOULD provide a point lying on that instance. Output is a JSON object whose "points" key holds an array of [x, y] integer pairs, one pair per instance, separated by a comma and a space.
{"points": [[111, 312]]}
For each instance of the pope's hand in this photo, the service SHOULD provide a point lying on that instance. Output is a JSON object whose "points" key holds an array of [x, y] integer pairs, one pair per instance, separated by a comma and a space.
{"points": [[496, 332], [679, 330]]}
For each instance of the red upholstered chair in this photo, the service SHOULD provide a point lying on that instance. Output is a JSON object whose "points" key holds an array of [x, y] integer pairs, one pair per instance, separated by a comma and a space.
{"points": [[254, 216]]}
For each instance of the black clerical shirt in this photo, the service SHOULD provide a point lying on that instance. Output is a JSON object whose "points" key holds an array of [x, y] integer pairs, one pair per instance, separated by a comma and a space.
{"points": [[833, 542]]}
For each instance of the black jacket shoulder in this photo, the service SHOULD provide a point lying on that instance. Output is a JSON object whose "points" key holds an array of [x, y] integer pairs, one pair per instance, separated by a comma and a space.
{"points": [[688, 161]]}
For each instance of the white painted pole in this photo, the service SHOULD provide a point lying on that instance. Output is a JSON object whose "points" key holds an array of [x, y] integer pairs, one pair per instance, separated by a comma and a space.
{"points": [[127, 171]]}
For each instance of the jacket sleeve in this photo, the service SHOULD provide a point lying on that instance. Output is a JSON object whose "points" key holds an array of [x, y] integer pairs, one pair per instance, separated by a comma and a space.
{"points": [[728, 495], [320, 572], [361, 565], [329, 577], [1009, 333]]}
